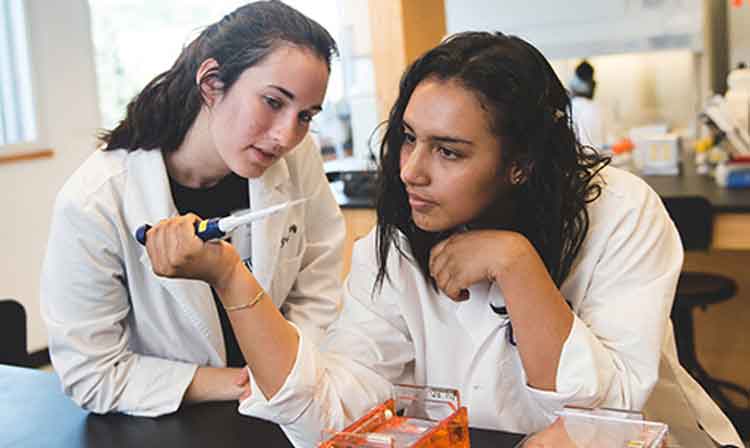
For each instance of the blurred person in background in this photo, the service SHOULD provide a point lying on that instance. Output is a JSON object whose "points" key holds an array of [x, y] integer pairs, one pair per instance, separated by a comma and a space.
{"points": [[588, 116]]}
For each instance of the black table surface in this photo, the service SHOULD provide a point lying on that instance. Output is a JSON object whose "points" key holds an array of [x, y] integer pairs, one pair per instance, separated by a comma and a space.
{"points": [[689, 183], [35, 413]]}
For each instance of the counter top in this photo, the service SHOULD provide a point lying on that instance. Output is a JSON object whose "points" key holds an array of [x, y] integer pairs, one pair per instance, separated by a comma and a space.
{"points": [[689, 183], [345, 201]]}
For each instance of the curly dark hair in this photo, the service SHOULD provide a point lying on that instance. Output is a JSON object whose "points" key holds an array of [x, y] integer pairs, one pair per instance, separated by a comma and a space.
{"points": [[529, 111], [163, 112]]}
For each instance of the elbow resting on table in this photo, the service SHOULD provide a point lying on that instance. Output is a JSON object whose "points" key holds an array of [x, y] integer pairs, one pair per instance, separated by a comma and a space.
{"points": [[620, 390], [103, 391], [90, 393]]}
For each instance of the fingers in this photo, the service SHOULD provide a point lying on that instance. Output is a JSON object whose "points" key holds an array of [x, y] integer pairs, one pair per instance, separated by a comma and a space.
{"points": [[436, 260], [449, 279], [442, 270], [447, 282], [448, 270], [243, 377], [243, 381], [171, 243], [456, 291], [181, 241], [247, 393]]}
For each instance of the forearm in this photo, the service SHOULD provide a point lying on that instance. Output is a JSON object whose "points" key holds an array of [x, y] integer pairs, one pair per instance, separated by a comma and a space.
{"points": [[540, 316], [351, 370], [268, 342], [214, 384]]}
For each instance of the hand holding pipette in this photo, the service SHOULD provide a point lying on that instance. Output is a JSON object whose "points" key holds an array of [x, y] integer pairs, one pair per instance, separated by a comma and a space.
{"points": [[218, 228]]}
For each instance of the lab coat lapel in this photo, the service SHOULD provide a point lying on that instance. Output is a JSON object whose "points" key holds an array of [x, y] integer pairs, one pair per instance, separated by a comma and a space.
{"points": [[475, 314], [270, 189], [148, 199]]}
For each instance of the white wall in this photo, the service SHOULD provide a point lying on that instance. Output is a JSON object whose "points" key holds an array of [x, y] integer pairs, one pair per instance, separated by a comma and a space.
{"points": [[643, 88], [739, 34], [565, 29], [65, 91]]}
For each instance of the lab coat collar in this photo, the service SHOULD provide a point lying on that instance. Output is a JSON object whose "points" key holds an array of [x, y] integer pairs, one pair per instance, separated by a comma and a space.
{"points": [[148, 197]]}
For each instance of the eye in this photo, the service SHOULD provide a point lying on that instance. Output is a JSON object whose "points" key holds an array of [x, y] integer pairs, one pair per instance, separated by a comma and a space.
{"points": [[447, 154], [305, 117], [273, 103], [409, 138]]}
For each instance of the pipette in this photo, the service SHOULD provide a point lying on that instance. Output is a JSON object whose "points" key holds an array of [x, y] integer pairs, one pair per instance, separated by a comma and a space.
{"points": [[217, 228]]}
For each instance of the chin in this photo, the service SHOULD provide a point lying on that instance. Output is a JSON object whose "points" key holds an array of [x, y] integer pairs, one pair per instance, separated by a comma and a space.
{"points": [[429, 225], [251, 171]]}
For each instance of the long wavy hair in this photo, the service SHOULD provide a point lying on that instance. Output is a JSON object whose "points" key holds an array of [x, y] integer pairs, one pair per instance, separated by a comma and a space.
{"points": [[529, 112], [163, 112]]}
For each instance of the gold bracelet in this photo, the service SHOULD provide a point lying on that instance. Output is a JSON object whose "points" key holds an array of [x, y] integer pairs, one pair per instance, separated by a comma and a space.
{"points": [[251, 303]]}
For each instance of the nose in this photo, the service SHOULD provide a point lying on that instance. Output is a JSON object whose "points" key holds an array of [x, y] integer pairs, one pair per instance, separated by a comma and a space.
{"points": [[414, 165], [286, 133]]}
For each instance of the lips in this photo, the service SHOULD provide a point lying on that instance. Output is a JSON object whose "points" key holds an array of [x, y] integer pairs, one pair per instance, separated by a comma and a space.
{"points": [[263, 155], [420, 203]]}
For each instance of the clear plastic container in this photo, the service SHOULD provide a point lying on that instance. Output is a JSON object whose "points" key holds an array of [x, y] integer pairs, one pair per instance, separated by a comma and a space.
{"points": [[599, 428]]}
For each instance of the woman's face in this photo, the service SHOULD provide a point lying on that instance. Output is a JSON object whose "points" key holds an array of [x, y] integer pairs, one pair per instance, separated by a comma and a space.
{"points": [[450, 159], [267, 111]]}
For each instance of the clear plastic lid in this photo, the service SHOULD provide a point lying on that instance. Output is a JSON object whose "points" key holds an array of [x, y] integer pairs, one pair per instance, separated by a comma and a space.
{"points": [[599, 428]]}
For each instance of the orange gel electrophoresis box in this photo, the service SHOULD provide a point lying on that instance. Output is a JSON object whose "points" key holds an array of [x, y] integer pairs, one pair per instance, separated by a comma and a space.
{"points": [[417, 417]]}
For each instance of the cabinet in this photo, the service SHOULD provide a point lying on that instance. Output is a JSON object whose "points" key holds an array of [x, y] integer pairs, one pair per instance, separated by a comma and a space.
{"points": [[583, 28], [359, 222]]}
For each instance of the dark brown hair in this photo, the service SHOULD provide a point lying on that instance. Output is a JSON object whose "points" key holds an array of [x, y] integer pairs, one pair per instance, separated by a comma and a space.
{"points": [[529, 111], [162, 113]]}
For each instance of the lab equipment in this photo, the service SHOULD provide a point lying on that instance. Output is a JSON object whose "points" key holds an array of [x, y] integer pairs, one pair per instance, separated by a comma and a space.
{"points": [[733, 174], [720, 120], [738, 96], [416, 417], [218, 228], [656, 152], [599, 427]]}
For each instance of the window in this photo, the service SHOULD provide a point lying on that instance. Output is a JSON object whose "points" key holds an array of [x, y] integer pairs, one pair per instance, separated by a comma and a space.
{"points": [[17, 115]]}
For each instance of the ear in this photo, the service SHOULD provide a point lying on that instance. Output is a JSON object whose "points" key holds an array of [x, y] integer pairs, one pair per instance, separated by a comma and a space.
{"points": [[518, 175], [211, 88]]}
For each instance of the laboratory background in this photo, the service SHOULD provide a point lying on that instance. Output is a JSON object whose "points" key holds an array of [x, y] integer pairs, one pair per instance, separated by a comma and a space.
{"points": [[670, 102]]}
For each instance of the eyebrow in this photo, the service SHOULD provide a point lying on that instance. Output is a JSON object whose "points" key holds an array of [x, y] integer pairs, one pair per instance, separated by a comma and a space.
{"points": [[442, 138], [291, 96]]}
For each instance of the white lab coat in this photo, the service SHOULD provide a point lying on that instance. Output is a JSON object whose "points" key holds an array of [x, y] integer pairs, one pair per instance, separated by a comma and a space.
{"points": [[589, 121], [621, 289], [123, 339]]}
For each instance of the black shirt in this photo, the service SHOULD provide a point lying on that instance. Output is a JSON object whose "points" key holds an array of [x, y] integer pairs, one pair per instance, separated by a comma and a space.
{"points": [[228, 195]]}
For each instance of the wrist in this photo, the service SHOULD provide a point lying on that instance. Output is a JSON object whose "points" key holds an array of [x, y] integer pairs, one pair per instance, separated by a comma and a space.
{"points": [[237, 286], [229, 276], [514, 248], [213, 384], [221, 264]]}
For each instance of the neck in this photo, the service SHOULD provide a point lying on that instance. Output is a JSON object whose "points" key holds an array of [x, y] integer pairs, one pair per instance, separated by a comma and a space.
{"points": [[196, 163], [500, 215]]}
